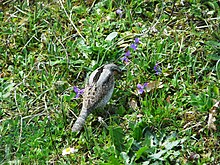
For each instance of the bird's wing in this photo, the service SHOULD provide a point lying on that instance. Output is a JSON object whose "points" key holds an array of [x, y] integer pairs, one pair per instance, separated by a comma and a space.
{"points": [[94, 94]]}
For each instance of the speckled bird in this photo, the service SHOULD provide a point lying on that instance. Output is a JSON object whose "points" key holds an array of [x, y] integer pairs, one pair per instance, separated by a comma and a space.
{"points": [[97, 93]]}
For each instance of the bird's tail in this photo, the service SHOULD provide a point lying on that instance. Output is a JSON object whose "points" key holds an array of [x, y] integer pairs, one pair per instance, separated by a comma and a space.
{"points": [[80, 120]]}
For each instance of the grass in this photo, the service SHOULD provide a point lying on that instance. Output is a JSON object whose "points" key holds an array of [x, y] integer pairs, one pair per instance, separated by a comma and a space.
{"points": [[47, 47]]}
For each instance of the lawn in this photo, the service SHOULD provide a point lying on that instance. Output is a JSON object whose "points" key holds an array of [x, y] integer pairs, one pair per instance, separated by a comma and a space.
{"points": [[165, 105]]}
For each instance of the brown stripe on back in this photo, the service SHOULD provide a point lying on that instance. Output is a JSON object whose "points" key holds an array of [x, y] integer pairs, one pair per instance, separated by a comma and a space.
{"points": [[97, 75]]}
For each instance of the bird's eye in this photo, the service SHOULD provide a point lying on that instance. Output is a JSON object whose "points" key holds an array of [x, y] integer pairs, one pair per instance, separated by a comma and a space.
{"points": [[115, 72]]}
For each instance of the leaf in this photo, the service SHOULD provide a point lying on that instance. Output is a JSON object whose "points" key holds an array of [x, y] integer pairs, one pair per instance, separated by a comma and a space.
{"points": [[117, 137], [121, 110], [213, 43], [158, 155], [153, 85], [125, 157], [133, 103], [212, 114], [140, 152], [137, 132], [129, 143], [111, 36], [216, 90], [169, 145], [194, 156], [8, 90], [146, 162], [113, 160], [168, 99], [150, 139], [23, 21], [214, 57]]}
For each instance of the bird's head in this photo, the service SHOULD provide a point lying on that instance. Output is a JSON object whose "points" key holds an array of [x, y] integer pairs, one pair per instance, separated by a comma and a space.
{"points": [[113, 68], [102, 74]]}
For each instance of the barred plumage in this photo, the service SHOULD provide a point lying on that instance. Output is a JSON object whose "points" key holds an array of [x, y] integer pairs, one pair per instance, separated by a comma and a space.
{"points": [[97, 92]]}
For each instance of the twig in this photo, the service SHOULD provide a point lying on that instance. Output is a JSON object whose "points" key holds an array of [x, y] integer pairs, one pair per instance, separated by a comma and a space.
{"points": [[28, 42], [71, 21], [19, 139]]}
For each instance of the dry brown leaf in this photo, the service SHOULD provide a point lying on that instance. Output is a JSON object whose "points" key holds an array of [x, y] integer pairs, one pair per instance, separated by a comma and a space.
{"points": [[139, 115], [153, 85], [2, 75], [212, 114], [23, 21], [168, 99], [193, 156], [133, 104]]}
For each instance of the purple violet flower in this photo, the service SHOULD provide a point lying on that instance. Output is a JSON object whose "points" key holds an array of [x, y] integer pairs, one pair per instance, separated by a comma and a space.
{"points": [[78, 91], [141, 88], [119, 12], [127, 53], [136, 41], [134, 47], [157, 69], [124, 59]]}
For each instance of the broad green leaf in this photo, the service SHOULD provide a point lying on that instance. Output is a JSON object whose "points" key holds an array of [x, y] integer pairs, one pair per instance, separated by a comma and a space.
{"points": [[137, 133], [117, 137], [129, 143], [170, 144], [140, 152], [214, 57], [213, 43]]}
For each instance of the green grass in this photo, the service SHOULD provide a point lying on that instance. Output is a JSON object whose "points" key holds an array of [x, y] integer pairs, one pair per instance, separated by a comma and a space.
{"points": [[47, 47]]}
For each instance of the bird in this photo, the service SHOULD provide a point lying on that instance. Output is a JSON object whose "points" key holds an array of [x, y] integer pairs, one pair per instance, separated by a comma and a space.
{"points": [[98, 91]]}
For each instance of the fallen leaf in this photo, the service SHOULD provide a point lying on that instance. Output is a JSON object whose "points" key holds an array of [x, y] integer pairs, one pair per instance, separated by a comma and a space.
{"points": [[153, 85], [133, 104], [207, 154], [2, 75], [111, 36], [139, 115], [212, 114], [193, 156], [168, 99]]}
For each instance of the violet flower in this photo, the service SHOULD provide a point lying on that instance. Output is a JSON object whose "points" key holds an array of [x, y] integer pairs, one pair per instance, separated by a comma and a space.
{"points": [[78, 91], [119, 12], [134, 47], [157, 69], [136, 41], [141, 88], [125, 57], [127, 53]]}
